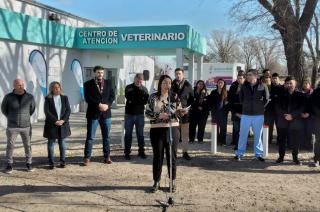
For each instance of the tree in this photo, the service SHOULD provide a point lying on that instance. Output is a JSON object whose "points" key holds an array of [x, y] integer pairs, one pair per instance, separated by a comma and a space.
{"points": [[266, 53], [291, 18], [223, 47], [248, 51], [312, 39]]}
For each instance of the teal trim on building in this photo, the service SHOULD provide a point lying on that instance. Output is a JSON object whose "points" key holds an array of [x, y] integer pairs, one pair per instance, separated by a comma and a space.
{"points": [[151, 40], [20, 27]]}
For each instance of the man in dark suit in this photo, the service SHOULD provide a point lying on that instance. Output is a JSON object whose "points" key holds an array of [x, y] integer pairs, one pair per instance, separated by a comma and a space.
{"points": [[289, 107], [99, 95]]}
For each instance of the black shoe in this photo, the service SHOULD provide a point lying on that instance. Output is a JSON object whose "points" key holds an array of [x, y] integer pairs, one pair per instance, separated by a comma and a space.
{"points": [[297, 162], [261, 159], [51, 166], [200, 142], [186, 156], [142, 155], [62, 164], [279, 160], [237, 158], [191, 142], [29, 167], [9, 169], [127, 157], [155, 187]]}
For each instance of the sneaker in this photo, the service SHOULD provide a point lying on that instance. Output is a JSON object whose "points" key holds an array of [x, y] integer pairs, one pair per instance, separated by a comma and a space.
{"points": [[261, 159], [316, 164], [86, 162], [107, 160], [9, 169], [186, 156], [127, 157], [142, 155], [279, 160], [237, 158], [29, 167]]}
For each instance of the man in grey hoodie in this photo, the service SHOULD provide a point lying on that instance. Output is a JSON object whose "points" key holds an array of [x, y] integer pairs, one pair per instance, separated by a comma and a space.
{"points": [[18, 106]]}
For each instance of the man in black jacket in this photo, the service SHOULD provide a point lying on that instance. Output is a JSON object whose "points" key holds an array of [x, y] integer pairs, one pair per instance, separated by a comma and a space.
{"points": [[275, 90], [183, 90], [315, 112], [137, 97], [254, 96], [99, 95], [18, 106], [236, 107], [289, 107]]}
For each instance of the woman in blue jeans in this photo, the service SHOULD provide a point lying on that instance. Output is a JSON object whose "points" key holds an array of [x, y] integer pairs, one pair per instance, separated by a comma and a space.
{"points": [[57, 111]]}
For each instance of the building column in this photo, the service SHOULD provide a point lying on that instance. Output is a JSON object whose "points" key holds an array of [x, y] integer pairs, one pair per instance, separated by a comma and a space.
{"points": [[200, 67], [179, 58], [191, 68]]}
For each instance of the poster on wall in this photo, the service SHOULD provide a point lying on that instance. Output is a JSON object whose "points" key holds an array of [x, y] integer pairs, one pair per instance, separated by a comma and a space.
{"points": [[78, 74], [39, 67]]}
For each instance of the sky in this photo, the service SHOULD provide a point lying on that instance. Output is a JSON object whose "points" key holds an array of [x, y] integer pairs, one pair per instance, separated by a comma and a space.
{"points": [[203, 15]]}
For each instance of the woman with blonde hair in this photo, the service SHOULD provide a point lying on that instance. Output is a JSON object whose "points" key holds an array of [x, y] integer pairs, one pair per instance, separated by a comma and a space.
{"points": [[57, 111]]}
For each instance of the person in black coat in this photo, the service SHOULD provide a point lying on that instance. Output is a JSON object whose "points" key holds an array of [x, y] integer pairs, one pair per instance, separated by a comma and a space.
{"points": [[99, 95], [236, 107], [315, 112], [57, 111], [182, 90], [199, 112], [220, 109], [269, 113], [308, 120], [137, 97], [289, 107]]}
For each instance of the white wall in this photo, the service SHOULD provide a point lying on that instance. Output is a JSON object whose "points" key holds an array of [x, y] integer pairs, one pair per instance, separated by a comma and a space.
{"points": [[91, 58], [42, 12], [133, 65], [14, 63]]}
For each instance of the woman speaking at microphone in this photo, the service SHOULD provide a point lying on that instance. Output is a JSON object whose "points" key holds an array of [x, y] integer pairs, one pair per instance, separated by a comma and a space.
{"points": [[161, 119]]}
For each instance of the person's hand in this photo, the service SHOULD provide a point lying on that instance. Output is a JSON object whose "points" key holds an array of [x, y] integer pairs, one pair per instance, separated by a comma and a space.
{"points": [[238, 115], [288, 117], [200, 108], [103, 107], [164, 116], [59, 123], [184, 111], [305, 115]]}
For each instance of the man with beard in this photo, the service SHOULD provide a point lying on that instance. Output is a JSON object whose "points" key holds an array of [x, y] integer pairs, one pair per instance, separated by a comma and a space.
{"points": [[289, 108]]}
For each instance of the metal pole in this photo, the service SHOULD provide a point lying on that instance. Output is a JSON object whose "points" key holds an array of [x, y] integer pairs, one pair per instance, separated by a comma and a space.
{"points": [[123, 131], [214, 138], [265, 141]]}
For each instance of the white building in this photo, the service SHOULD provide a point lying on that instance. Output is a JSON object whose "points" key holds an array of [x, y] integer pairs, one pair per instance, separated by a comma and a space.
{"points": [[41, 44]]}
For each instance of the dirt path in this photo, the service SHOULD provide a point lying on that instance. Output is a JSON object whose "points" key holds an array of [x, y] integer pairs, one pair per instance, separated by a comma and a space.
{"points": [[206, 183]]}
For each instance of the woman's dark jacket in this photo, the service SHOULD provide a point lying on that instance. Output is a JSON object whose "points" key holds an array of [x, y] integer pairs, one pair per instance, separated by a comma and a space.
{"points": [[51, 130]]}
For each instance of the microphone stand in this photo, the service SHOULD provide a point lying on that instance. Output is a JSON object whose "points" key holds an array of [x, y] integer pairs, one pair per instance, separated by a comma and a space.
{"points": [[170, 199]]}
